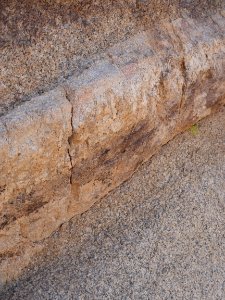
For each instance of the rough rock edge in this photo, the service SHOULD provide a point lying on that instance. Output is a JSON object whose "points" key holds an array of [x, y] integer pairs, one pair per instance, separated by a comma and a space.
{"points": [[30, 246], [29, 27]]}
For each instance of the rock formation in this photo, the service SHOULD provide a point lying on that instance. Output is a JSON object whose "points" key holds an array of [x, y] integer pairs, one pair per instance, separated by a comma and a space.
{"points": [[89, 91]]}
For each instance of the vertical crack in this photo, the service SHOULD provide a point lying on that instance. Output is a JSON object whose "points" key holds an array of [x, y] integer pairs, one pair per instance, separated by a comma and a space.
{"points": [[184, 85], [69, 137], [182, 67]]}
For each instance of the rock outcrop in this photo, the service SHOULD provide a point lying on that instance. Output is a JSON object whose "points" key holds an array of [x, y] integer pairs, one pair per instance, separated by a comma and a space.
{"points": [[67, 148], [42, 42]]}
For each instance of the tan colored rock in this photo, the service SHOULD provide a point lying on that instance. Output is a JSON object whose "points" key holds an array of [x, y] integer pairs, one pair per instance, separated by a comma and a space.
{"points": [[34, 166], [43, 42], [63, 151], [152, 87]]}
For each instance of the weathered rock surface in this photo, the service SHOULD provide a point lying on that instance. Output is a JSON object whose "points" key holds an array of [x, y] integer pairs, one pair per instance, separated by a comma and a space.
{"points": [[64, 150], [42, 42], [159, 235]]}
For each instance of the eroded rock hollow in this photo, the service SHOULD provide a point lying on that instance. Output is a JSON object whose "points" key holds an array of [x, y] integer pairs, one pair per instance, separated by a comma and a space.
{"points": [[89, 90]]}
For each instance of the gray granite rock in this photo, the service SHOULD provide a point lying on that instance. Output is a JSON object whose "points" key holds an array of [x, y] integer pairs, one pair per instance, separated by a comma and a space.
{"points": [[160, 235]]}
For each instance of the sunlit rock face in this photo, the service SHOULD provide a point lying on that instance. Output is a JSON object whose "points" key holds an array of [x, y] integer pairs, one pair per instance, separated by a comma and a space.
{"points": [[89, 90], [44, 41]]}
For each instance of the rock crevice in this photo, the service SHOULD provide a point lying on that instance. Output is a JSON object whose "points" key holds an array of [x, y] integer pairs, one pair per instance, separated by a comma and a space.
{"points": [[69, 138], [64, 150]]}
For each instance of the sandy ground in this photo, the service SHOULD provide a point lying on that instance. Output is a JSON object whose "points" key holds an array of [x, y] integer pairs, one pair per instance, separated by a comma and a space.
{"points": [[160, 235]]}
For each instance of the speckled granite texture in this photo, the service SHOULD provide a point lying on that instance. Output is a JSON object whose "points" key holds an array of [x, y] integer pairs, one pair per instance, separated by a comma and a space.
{"points": [[43, 42], [65, 149], [158, 236]]}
